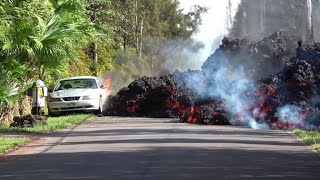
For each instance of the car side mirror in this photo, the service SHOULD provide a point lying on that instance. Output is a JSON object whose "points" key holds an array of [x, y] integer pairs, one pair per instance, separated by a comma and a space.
{"points": [[102, 87]]}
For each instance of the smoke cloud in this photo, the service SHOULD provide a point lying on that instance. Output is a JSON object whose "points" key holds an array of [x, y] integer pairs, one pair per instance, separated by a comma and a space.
{"points": [[166, 57], [158, 59], [259, 18], [215, 25]]}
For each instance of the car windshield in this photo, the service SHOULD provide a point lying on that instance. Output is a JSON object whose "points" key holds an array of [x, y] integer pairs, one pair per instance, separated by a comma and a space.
{"points": [[76, 84]]}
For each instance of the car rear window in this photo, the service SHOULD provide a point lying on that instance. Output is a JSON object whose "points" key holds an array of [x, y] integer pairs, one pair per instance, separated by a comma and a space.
{"points": [[77, 83]]}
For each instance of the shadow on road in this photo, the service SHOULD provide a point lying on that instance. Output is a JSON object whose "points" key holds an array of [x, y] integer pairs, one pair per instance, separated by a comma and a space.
{"points": [[136, 131], [164, 163], [109, 150]]}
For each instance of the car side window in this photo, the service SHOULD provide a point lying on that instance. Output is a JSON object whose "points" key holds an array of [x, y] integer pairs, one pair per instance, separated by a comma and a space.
{"points": [[67, 86], [60, 85], [91, 84], [100, 83]]}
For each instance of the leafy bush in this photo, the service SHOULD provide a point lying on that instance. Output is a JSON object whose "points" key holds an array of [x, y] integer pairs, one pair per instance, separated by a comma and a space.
{"points": [[8, 93]]}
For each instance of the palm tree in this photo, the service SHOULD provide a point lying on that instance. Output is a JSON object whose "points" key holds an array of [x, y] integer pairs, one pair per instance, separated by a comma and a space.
{"points": [[55, 40], [35, 37], [46, 40], [8, 93]]}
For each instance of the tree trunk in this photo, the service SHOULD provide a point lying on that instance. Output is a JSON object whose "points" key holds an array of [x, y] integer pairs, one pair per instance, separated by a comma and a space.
{"points": [[94, 18], [95, 58], [141, 41], [41, 73], [125, 37], [137, 27]]}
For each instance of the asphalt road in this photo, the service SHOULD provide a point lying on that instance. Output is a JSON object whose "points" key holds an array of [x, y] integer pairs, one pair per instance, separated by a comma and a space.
{"points": [[163, 149]]}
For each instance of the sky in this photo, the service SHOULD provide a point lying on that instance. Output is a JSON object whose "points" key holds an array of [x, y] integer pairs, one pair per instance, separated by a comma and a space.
{"points": [[214, 23]]}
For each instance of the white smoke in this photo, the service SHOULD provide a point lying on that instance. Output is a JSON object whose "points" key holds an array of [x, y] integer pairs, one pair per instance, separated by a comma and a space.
{"points": [[232, 87], [215, 24], [291, 114], [309, 7]]}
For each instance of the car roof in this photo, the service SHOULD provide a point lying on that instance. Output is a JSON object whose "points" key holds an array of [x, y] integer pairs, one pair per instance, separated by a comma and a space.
{"points": [[79, 77]]}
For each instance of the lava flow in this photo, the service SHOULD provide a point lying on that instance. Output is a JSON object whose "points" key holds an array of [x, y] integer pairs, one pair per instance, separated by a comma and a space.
{"points": [[223, 93]]}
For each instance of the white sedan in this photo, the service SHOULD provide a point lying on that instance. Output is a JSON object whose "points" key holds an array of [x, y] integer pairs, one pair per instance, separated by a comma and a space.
{"points": [[82, 93]]}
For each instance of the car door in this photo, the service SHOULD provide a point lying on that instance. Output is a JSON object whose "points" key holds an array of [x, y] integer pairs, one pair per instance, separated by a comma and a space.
{"points": [[102, 91]]}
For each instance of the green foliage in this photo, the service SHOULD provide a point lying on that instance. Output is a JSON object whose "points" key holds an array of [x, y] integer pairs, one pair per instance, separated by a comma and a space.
{"points": [[55, 41], [36, 38], [162, 20], [7, 144], [310, 137], [43, 34], [8, 93]]}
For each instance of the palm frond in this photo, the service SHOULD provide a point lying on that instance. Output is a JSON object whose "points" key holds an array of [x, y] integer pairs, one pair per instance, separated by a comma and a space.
{"points": [[8, 89], [67, 5]]}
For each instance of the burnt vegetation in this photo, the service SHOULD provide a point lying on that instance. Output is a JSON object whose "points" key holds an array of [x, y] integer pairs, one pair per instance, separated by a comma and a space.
{"points": [[272, 83]]}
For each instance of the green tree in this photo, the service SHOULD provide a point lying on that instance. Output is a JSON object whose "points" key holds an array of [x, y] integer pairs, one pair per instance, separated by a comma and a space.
{"points": [[36, 38]]}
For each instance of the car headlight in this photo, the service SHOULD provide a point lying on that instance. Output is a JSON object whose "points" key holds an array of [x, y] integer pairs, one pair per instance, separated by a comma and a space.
{"points": [[54, 99], [87, 97]]}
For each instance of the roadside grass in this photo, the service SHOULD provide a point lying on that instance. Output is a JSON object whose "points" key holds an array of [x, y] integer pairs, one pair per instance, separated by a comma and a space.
{"points": [[54, 124], [9, 143], [310, 137]]}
